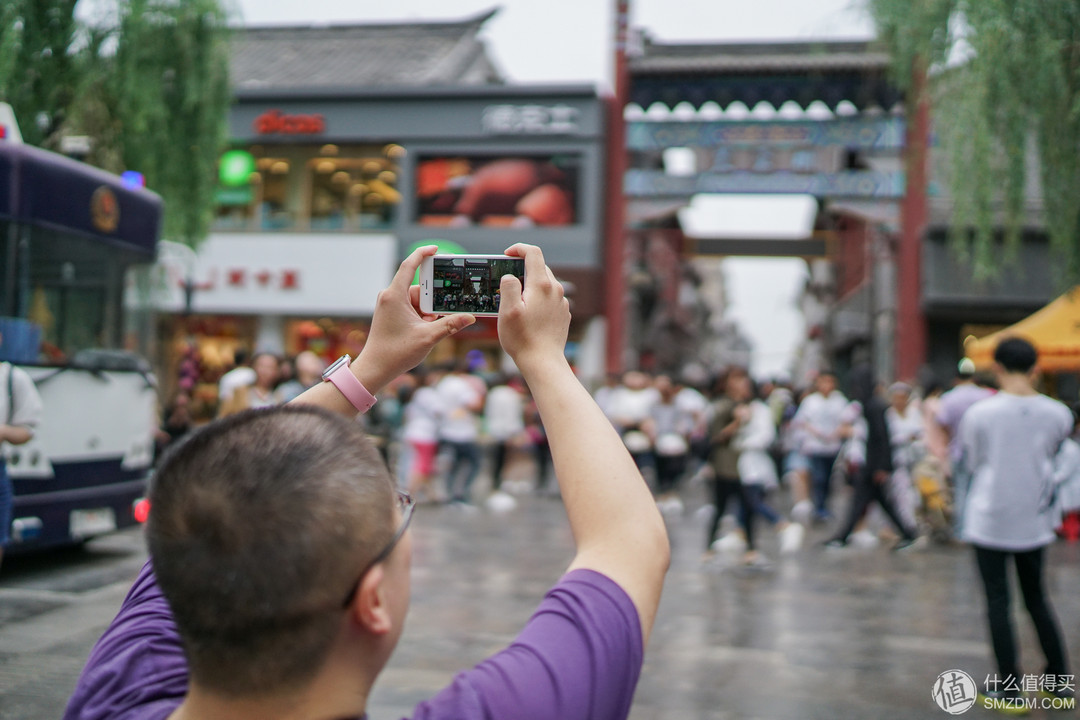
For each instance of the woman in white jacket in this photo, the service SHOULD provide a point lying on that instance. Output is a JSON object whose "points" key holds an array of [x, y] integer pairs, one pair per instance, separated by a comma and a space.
{"points": [[757, 471]]}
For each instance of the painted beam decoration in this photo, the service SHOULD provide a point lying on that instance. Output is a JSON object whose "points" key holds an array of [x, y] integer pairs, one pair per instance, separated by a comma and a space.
{"points": [[849, 184], [882, 133], [781, 157]]}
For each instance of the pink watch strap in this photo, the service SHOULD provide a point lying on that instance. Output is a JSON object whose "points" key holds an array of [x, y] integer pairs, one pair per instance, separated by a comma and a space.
{"points": [[353, 390]]}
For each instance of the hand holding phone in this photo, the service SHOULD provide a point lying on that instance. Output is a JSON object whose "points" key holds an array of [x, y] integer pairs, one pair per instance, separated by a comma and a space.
{"points": [[466, 283], [534, 323]]}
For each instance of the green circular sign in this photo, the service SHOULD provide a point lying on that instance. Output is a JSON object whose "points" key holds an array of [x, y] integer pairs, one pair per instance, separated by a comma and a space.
{"points": [[236, 168]]}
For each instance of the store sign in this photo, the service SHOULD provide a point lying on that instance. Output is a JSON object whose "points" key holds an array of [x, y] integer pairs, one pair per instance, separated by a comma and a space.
{"points": [[847, 184], [530, 119], [275, 122]]}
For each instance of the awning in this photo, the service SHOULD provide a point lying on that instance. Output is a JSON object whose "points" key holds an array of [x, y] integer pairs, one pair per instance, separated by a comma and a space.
{"points": [[1054, 331]]}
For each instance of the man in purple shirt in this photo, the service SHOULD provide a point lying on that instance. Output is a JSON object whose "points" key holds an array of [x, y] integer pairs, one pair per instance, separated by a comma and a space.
{"points": [[956, 402], [279, 576]]}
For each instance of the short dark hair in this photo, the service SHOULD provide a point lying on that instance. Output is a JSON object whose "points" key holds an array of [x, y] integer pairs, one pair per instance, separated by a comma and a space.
{"points": [[1016, 355], [259, 523]]}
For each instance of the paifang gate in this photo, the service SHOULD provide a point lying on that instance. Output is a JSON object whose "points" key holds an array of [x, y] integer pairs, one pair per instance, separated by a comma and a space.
{"points": [[850, 142]]}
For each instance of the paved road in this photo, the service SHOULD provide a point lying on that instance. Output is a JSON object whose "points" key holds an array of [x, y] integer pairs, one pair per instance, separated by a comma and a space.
{"points": [[822, 634]]}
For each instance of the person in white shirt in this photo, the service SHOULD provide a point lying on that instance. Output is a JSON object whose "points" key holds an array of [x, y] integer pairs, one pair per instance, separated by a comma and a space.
{"points": [[905, 421], [1008, 443], [757, 470], [504, 418], [819, 422], [630, 408], [241, 375], [460, 429], [423, 413], [20, 413]]}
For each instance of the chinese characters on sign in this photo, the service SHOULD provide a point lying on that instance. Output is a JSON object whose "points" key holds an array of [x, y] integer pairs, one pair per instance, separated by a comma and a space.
{"points": [[530, 119]]}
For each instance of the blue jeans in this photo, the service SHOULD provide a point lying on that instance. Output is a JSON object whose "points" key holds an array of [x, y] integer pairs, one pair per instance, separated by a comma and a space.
{"points": [[821, 467], [7, 499], [467, 459], [755, 503]]}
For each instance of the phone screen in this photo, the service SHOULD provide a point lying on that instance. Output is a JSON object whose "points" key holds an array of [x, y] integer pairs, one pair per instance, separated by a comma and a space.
{"points": [[470, 284]]}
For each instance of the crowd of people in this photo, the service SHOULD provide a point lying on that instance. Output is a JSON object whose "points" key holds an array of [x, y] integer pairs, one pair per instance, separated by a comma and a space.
{"points": [[795, 457], [232, 622]]}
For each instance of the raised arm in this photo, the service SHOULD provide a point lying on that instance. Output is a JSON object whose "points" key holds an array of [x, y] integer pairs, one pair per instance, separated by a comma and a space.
{"points": [[399, 340], [617, 528]]}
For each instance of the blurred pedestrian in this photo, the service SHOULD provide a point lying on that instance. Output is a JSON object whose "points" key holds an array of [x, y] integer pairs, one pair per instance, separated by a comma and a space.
{"points": [[261, 393], [424, 410], [757, 471], [1008, 444], [871, 477], [668, 427], [459, 429], [240, 375], [20, 413], [307, 373], [818, 420], [504, 418], [724, 459]]}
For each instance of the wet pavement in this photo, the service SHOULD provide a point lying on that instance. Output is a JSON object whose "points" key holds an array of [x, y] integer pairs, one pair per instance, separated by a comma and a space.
{"points": [[829, 634], [852, 633]]}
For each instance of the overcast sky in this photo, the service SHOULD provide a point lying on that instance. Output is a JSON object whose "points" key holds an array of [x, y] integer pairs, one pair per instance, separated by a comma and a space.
{"points": [[570, 40]]}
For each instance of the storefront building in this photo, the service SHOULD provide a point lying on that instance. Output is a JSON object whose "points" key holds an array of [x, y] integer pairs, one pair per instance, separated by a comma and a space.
{"points": [[326, 187]]}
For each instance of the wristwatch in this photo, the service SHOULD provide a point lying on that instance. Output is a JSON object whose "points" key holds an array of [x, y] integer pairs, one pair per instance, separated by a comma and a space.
{"points": [[354, 391]]}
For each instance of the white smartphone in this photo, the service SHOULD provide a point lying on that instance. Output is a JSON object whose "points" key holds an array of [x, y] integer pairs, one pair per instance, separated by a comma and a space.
{"points": [[465, 283]]}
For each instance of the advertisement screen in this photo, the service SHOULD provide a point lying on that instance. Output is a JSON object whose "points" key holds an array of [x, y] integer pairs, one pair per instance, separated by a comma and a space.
{"points": [[515, 192]]}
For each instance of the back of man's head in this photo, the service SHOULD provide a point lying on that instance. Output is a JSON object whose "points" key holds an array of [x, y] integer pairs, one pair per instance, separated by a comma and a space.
{"points": [[259, 525], [1016, 355]]}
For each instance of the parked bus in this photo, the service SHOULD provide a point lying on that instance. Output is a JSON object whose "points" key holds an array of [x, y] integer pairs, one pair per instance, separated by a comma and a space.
{"points": [[69, 233]]}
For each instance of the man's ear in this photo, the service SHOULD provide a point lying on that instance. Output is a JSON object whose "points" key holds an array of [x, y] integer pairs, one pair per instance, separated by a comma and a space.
{"points": [[369, 607]]}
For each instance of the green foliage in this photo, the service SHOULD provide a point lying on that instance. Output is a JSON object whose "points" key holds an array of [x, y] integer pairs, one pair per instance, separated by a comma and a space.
{"points": [[1005, 91], [36, 64], [171, 96], [152, 92]]}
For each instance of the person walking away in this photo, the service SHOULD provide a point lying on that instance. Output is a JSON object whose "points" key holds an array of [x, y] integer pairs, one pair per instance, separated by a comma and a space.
{"points": [[20, 414], [818, 419], [260, 394], [504, 418], [460, 430], [757, 470], [871, 478], [724, 460], [1008, 444], [955, 403], [228, 621]]}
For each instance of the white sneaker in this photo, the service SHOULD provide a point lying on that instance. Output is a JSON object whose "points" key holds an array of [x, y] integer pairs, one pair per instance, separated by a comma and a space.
{"points": [[802, 511], [731, 543], [791, 538], [864, 539], [500, 502]]}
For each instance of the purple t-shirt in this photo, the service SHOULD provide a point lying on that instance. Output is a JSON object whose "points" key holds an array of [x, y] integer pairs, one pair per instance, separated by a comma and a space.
{"points": [[951, 411], [579, 656]]}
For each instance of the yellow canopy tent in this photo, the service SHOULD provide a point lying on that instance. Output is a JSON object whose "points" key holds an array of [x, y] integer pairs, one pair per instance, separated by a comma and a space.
{"points": [[1054, 331]]}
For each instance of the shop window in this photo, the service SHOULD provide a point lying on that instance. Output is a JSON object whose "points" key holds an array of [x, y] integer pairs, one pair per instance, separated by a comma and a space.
{"points": [[353, 192], [326, 188]]}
